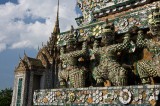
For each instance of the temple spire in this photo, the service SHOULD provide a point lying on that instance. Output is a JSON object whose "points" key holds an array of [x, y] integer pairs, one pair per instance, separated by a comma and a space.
{"points": [[56, 27]]}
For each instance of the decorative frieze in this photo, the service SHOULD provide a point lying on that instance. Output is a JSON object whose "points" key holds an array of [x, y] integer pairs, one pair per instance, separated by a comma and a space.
{"points": [[122, 23], [133, 95], [93, 8]]}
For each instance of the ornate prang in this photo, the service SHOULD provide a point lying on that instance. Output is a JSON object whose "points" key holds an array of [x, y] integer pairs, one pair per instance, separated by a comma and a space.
{"points": [[115, 46]]}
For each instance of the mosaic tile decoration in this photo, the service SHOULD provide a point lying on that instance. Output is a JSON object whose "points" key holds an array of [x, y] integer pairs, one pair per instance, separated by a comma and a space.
{"points": [[101, 7], [122, 23], [146, 95]]}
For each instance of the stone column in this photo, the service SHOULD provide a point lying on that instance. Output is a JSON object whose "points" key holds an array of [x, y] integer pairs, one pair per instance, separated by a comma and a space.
{"points": [[14, 97], [42, 81]]}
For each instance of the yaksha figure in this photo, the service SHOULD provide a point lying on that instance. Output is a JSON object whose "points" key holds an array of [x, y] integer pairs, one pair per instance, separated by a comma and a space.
{"points": [[108, 67], [72, 75], [150, 67]]}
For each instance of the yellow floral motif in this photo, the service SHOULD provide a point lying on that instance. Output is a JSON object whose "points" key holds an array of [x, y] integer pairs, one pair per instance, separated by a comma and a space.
{"points": [[97, 30], [81, 31], [58, 93]]}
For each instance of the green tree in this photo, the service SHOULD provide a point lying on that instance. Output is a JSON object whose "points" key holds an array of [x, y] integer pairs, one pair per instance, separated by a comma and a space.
{"points": [[5, 97]]}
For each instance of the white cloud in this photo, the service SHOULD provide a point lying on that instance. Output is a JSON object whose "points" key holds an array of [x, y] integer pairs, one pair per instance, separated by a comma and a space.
{"points": [[15, 33], [21, 44], [2, 46]]}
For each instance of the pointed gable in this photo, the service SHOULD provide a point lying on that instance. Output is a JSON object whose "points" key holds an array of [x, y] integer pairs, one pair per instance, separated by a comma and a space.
{"points": [[44, 55], [22, 66]]}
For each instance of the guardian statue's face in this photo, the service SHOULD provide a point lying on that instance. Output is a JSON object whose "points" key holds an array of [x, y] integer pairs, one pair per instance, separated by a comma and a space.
{"points": [[155, 30], [107, 38], [154, 22], [70, 47]]}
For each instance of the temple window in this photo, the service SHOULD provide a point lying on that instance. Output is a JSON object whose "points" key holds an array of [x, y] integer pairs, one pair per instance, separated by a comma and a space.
{"points": [[19, 92]]}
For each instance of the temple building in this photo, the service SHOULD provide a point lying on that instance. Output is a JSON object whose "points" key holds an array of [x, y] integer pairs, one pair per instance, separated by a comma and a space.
{"points": [[111, 58], [37, 73]]}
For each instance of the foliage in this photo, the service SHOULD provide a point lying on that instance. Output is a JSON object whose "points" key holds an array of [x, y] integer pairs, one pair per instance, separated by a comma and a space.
{"points": [[5, 97]]}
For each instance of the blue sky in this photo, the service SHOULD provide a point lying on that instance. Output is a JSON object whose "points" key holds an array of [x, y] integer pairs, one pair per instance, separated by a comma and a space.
{"points": [[5, 1], [24, 25]]}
